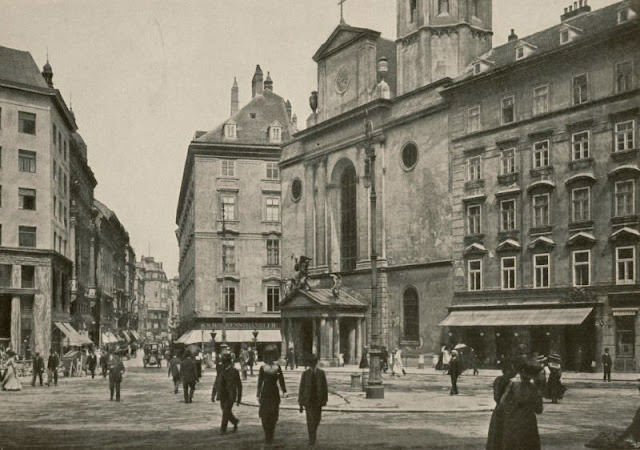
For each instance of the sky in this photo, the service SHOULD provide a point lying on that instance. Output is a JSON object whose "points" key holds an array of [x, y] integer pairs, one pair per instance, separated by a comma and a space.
{"points": [[142, 76]]}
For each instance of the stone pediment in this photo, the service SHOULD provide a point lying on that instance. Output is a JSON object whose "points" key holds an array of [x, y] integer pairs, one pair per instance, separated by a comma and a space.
{"points": [[342, 36], [321, 299]]}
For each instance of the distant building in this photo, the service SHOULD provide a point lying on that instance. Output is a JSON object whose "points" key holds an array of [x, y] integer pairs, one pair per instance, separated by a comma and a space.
{"points": [[155, 286], [229, 221]]}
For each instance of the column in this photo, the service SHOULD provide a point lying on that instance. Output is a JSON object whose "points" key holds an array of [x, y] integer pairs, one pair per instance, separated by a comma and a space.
{"points": [[352, 344], [336, 338], [284, 332], [358, 341], [321, 232], [308, 219], [16, 324]]}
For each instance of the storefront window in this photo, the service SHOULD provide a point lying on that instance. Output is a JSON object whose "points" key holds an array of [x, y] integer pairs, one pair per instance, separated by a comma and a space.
{"points": [[625, 336]]}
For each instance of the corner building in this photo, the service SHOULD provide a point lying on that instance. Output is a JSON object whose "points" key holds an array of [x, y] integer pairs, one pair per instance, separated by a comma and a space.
{"points": [[229, 223], [545, 177]]}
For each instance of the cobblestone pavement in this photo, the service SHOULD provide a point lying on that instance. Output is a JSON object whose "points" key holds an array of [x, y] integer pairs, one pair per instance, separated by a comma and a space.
{"points": [[417, 412]]}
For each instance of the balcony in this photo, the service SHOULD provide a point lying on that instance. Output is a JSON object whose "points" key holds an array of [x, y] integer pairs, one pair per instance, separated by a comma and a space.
{"points": [[472, 185], [626, 156], [581, 164], [541, 172], [509, 179]]}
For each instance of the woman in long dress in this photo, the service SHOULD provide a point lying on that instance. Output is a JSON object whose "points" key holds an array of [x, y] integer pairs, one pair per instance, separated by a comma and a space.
{"points": [[521, 402], [268, 394], [500, 385], [11, 381]]}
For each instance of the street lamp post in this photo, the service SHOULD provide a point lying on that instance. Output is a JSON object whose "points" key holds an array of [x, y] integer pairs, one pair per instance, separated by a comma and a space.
{"points": [[375, 388]]}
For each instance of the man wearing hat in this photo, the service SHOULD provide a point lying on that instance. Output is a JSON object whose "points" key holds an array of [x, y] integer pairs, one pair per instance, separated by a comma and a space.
{"points": [[454, 371], [38, 369], [189, 376], [228, 389], [115, 377], [312, 396]]}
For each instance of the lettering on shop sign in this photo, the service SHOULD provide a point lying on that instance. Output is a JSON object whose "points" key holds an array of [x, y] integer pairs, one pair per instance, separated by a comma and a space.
{"points": [[249, 326]]}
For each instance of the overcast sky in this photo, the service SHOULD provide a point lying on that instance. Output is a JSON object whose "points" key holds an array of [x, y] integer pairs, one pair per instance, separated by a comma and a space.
{"points": [[142, 76]]}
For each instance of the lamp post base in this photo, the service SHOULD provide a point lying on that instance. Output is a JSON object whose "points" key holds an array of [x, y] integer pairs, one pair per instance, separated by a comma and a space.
{"points": [[375, 388], [375, 391]]}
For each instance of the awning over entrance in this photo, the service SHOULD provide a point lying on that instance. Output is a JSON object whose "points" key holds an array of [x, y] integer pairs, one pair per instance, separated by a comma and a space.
{"points": [[135, 335], [72, 337], [109, 338], [516, 317], [194, 337]]}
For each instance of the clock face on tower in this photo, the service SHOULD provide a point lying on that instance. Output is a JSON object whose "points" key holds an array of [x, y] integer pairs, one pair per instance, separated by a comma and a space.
{"points": [[342, 80]]}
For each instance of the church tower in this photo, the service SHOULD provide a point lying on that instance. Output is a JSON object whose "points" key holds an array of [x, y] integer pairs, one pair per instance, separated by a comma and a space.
{"points": [[439, 38]]}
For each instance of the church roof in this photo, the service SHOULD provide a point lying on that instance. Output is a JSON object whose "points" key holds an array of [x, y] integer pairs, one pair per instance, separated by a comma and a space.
{"points": [[18, 66], [586, 25], [343, 35], [253, 121]]}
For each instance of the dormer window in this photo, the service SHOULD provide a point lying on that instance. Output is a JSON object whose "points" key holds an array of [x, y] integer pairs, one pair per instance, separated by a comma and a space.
{"points": [[524, 49], [564, 36], [230, 130], [477, 68], [275, 132], [625, 14], [519, 52], [568, 33]]}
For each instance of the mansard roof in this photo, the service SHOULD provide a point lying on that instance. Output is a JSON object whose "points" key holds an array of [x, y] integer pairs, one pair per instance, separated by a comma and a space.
{"points": [[252, 122]]}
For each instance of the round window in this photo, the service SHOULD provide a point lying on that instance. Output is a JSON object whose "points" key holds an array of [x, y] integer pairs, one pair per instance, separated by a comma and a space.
{"points": [[409, 155], [296, 189]]}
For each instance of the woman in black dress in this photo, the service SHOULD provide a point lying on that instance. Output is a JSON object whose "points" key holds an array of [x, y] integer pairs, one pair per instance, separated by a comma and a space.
{"points": [[500, 385], [268, 394]]}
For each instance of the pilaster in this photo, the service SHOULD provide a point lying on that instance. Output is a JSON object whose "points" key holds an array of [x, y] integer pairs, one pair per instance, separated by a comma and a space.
{"points": [[41, 338], [16, 324]]}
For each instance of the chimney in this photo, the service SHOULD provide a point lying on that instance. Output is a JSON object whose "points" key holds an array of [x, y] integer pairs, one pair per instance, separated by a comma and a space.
{"points": [[578, 8], [268, 83], [234, 97], [513, 36], [257, 84], [287, 105]]}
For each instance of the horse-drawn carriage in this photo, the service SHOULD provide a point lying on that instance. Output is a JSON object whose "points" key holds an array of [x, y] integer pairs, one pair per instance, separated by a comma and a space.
{"points": [[152, 355]]}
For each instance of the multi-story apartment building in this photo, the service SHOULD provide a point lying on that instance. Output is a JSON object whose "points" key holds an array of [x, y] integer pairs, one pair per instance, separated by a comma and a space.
{"points": [[229, 221], [546, 177], [36, 131], [156, 300]]}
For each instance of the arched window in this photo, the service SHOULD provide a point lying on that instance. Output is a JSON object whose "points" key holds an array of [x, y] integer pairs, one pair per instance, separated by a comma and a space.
{"points": [[348, 226], [411, 317]]}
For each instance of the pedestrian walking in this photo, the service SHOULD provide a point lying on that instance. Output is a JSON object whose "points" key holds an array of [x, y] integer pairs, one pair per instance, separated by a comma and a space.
{"points": [[198, 360], [606, 366], [364, 361], [268, 394], [290, 362], [52, 368], [104, 363], [446, 358], [500, 385], [174, 371], [38, 369], [398, 364], [115, 377], [554, 385], [227, 388], [189, 375], [92, 362], [454, 372], [252, 360], [312, 396], [11, 382], [384, 359], [521, 402], [244, 363], [473, 357]]}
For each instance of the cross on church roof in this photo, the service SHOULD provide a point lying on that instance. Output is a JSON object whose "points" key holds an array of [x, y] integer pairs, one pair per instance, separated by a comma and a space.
{"points": [[341, 3]]}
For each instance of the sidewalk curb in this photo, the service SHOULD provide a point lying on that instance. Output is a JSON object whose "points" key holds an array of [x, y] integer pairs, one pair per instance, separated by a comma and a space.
{"points": [[390, 410]]}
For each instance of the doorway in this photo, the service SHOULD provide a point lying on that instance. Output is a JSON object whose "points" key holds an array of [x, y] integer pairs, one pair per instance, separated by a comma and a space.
{"points": [[5, 320]]}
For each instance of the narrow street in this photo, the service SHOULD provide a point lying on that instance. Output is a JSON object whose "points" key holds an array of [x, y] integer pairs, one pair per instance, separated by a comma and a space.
{"points": [[78, 413]]}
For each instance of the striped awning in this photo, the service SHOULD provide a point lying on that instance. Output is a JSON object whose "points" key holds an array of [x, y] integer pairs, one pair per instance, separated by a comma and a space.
{"points": [[73, 338], [135, 335], [109, 338], [516, 317]]}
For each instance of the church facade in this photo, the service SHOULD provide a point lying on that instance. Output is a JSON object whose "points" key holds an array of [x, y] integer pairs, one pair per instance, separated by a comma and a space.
{"points": [[394, 86]]}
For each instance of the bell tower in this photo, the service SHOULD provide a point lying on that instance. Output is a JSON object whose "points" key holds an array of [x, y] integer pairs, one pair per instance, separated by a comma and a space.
{"points": [[439, 38]]}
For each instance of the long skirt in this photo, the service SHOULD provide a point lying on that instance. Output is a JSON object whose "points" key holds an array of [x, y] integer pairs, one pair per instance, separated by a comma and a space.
{"points": [[11, 381], [496, 429]]}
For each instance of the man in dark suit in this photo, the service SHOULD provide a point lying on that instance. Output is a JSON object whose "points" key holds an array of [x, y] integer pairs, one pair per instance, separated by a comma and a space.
{"points": [[174, 371], [38, 369], [189, 376], [454, 371], [606, 365], [313, 395], [228, 389], [104, 363], [52, 368], [115, 377], [92, 362]]}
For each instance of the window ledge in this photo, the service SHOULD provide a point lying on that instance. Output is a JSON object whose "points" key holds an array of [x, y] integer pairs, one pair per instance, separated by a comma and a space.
{"points": [[537, 231], [540, 172], [472, 238], [508, 178], [625, 220], [582, 225], [579, 164], [625, 155], [475, 184]]}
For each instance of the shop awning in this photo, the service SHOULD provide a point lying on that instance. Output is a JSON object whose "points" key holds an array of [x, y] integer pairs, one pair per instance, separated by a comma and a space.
{"points": [[72, 337], [125, 335], [135, 335], [516, 317], [109, 338], [194, 337]]}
